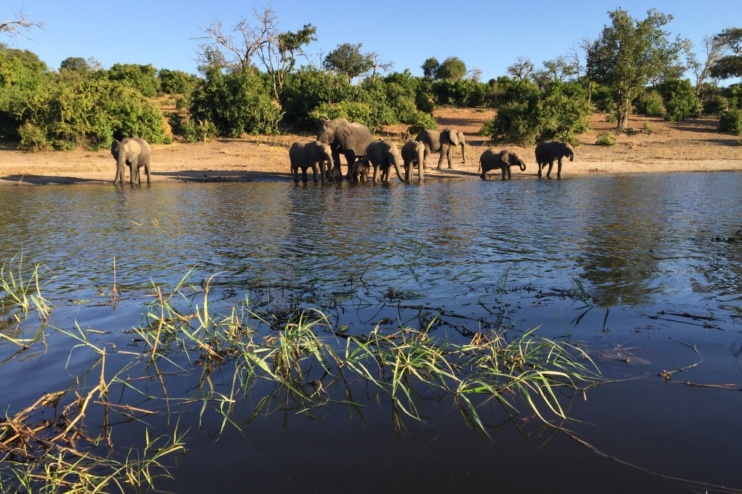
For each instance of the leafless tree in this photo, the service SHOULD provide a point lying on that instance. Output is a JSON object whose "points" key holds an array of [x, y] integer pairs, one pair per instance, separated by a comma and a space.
{"points": [[521, 69], [713, 49], [379, 64], [260, 42], [14, 27]]}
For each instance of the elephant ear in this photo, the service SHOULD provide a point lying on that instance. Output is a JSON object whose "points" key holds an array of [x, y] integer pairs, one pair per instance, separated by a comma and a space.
{"points": [[453, 136]]}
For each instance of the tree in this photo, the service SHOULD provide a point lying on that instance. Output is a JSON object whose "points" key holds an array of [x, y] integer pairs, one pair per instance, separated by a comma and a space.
{"points": [[452, 69], [521, 69], [430, 68], [729, 65], [629, 54], [12, 28], [348, 60], [142, 77], [713, 50], [276, 51]]}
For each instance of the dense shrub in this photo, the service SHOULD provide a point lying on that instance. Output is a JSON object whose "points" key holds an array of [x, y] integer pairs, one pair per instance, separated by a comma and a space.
{"points": [[460, 93], [235, 102], [308, 88], [176, 81], [559, 111], [22, 77], [350, 110], [649, 103], [420, 122], [731, 121], [606, 139], [715, 105], [142, 77], [189, 130], [602, 98], [88, 115], [679, 98]]}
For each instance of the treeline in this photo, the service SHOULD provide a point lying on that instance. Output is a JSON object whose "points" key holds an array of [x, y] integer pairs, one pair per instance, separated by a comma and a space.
{"points": [[83, 105]]}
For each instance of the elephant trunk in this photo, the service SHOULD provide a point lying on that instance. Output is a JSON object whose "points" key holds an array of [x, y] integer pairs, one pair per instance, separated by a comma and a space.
{"points": [[396, 168], [463, 152], [522, 167]]}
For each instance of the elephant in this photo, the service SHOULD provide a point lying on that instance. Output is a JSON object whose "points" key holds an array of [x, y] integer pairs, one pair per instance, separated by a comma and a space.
{"points": [[360, 170], [441, 142], [503, 160], [382, 155], [413, 152], [134, 152], [344, 137], [308, 154], [548, 151]]}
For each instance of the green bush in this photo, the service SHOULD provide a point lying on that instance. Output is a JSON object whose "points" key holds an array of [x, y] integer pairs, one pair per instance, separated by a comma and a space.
{"points": [[559, 111], [142, 77], [731, 121], [189, 130], [679, 98], [176, 81], [88, 114], [235, 102], [351, 110], [649, 103], [606, 139], [23, 78], [420, 122], [715, 105], [308, 88]]}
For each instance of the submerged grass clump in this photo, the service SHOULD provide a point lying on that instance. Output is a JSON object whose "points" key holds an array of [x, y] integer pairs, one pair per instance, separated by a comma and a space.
{"points": [[66, 441]]}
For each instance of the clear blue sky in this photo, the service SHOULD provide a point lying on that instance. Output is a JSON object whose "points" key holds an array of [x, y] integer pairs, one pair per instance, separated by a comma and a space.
{"points": [[487, 34]]}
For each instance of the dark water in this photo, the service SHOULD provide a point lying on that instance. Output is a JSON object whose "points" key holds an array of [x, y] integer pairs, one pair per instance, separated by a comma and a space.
{"points": [[657, 255]]}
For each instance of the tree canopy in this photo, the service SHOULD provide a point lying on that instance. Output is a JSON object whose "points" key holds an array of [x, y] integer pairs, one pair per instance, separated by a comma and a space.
{"points": [[730, 65], [629, 54], [348, 60]]}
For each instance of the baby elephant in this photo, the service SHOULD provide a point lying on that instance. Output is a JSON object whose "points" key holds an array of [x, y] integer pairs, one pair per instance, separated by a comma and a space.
{"points": [[413, 153], [360, 170], [133, 152], [548, 151], [309, 154], [492, 160]]}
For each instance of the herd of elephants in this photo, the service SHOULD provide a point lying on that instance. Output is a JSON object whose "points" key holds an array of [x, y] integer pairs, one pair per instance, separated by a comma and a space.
{"points": [[362, 152]]}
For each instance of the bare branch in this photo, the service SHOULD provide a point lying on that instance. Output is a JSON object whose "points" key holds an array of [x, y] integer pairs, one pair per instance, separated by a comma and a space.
{"points": [[14, 27]]}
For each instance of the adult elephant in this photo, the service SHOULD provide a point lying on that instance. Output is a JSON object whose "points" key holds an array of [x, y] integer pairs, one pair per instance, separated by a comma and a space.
{"points": [[441, 142], [413, 152], [133, 152], [502, 160], [383, 155], [347, 138], [308, 155], [548, 151]]}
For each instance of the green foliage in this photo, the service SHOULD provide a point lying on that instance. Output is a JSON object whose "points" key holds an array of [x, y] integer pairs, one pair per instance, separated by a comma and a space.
{"points": [[308, 88], [348, 60], [190, 130], [731, 121], [142, 77], [733, 93], [422, 121], [606, 139], [351, 110], [729, 65], [628, 54], [235, 102], [88, 114], [461, 93], [680, 99], [602, 98], [559, 111], [430, 68], [715, 105], [176, 81], [22, 75], [452, 69], [649, 103]]}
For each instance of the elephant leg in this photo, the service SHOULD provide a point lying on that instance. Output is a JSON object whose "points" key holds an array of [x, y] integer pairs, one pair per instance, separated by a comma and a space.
{"points": [[304, 177], [314, 172], [539, 169], [559, 168], [322, 171], [449, 156], [440, 158], [551, 165], [295, 170], [146, 170]]}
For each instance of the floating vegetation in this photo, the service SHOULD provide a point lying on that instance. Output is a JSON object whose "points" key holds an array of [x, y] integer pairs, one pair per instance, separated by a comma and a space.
{"points": [[239, 354]]}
